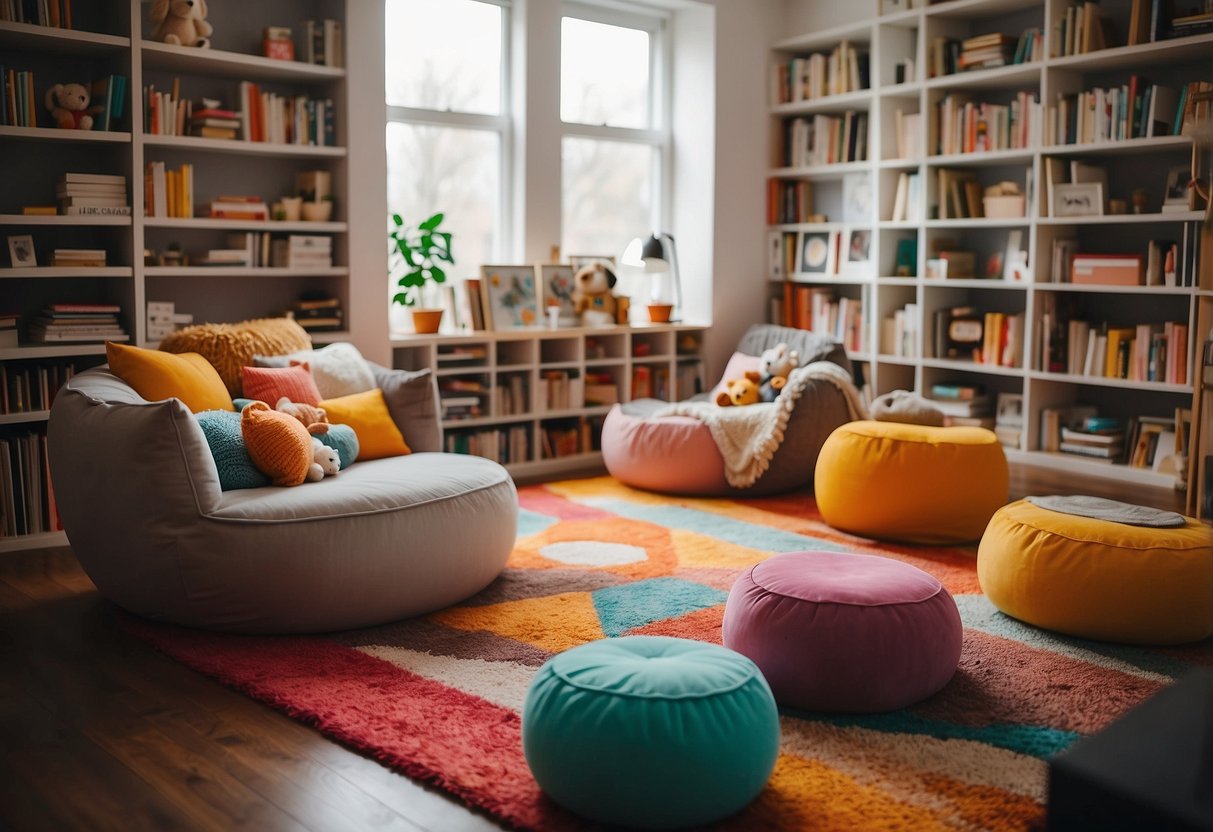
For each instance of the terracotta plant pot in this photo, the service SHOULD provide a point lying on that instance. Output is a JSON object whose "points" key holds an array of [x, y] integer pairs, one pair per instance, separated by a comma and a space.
{"points": [[659, 313], [426, 321]]}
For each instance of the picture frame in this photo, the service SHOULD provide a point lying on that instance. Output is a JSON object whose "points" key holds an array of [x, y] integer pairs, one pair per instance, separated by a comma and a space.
{"points": [[1078, 199], [937, 268], [556, 291], [1177, 196], [21, 251], [817, 253], [1008, 410], [510, 296], [857, 252], [775, 256], [857, 197]]}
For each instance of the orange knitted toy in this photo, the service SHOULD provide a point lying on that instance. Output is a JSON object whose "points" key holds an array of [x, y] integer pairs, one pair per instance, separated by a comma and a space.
{"points": [[278, 444]]}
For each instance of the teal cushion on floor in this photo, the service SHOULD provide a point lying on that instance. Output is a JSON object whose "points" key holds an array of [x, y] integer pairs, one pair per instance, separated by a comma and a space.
{"points": [[650, 732]]}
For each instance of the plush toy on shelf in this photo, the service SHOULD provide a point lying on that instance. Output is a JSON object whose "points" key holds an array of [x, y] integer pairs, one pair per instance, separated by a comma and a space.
{"points": [[774, 365], [69, 106], [592, 297], [740, 391], [181, 22]]}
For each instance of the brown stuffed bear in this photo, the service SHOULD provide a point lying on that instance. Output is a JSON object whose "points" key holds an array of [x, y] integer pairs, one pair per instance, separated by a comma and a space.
{"points": [[740, 391], [181, 22], [592, 298]]}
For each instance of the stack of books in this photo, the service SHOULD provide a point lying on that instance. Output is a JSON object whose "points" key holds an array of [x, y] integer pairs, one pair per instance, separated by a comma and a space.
{"points": [[76, 322], [239, 208], [225, 257], [1100, 437], [982, 51], [215, 123], [168, 193], [306, 251], [163, 319], [92, 193], [318, 314], [460, 407], [962, 404], [79, 258]]}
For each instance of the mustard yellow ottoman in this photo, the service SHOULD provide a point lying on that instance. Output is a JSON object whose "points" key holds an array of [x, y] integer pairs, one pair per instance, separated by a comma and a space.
{"points": [[910, 483], [1099, 579]]}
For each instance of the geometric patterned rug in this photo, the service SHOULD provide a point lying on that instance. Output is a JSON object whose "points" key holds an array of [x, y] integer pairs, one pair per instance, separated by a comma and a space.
{"points": [[439, 697]]}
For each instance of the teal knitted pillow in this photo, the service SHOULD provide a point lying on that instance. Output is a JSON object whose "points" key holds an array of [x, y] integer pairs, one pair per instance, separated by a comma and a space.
{"points": [[222, 431]]}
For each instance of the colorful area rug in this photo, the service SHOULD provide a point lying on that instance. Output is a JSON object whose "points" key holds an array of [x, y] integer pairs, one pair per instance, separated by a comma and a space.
{"points": [[438, 698]]}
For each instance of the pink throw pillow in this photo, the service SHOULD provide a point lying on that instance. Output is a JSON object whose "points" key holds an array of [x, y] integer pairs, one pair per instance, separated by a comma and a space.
{"points": [[268, 384], [739, 364]]}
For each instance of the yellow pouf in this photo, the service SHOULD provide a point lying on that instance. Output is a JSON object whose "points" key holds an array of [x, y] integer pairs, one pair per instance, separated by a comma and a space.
{"points": [[911, 482], [1099, 579]]}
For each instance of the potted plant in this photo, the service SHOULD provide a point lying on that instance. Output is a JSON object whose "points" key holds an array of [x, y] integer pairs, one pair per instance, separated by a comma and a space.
{"points": [[414, 255]]}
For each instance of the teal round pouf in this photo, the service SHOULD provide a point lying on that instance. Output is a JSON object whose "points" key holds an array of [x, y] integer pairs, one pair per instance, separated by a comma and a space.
{"points": [[650, 732]]}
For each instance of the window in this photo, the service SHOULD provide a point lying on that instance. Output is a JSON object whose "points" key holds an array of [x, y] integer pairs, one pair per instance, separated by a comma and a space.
{"points": [[447, 132], [614, 137]]}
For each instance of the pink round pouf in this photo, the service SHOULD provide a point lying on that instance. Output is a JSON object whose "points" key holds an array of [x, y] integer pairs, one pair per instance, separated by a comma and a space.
{"points": [[833, 631]]}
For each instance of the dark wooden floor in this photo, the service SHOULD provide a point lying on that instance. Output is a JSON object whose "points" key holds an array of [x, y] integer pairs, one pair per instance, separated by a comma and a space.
{"points": [[98, 731]]}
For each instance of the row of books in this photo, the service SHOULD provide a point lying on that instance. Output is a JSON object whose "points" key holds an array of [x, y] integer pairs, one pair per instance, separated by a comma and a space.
{"points": [[1166, 262], [899, 332], [27, 501], [820, 310], [650, 382], [907, 128], [19, 107], [57, 13], [964, 333], [825, 139], [30, 387], [168, 193], [1082, 29], [559, 390], [506, 446], [1133, 110], [907, 198], [78, 322], [108, 96], [512, 395], [947, 56], [562, 440], [965, 126], [789, 201], [1145, 352], [322, 42], [269, 117], [318, 314], [844, 69], [1160, 443]]}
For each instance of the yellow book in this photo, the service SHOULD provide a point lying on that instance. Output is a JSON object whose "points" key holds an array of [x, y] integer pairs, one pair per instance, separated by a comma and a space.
{"points": [[1116, 335], [39, 210]]}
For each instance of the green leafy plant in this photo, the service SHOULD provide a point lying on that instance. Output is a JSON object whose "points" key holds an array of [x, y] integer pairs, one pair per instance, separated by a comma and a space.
{"points": [[414, 254]]}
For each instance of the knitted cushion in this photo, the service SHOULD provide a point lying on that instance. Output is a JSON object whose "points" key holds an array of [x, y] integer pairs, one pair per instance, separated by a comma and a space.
{"points": [[269, 384], [368, 415], [223, 435], [279, 446], [231, 346], [339, 369], [159, 375]]}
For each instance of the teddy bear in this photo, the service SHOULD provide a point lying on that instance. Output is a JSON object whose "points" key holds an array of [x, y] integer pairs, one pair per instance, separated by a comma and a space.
{"points": [[774, 365], [307, 414], [181, 22], [325, 461], [740, 391], [592, 297], [69, 106]]}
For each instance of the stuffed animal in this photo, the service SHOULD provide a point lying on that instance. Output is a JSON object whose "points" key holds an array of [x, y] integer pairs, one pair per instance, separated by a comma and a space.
{"points": [[592, 298], [340, 438], [774, 365], [307, 414], [740, 391], [325, 461], [278, 445], [69, 106], [181, 22]]}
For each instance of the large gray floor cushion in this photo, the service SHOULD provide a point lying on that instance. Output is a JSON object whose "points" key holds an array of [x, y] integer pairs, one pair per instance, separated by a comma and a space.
{"points": [[139, 496]]}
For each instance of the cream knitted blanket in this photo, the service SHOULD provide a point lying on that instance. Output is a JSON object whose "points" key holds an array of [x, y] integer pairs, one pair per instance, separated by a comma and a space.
{"points": [[749, 436]]}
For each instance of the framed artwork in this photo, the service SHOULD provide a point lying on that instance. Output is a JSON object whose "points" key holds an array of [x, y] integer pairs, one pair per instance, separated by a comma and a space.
{"points": [[857, 252], [1081, 199], [556, 282], [21, 251], [1176, 197], [510, 298], [816, 252], [857, 197], [775, 255]]}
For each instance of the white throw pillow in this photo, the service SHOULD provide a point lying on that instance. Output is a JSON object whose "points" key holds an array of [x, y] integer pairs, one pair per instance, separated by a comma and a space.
{"points": [[339, 369]]}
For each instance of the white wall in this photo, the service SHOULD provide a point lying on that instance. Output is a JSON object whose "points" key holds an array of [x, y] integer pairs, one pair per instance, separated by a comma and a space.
{"points": [[811, 15]]}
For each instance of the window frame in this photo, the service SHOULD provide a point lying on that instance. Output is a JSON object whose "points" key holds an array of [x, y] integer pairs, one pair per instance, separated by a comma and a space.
{"points": [[502, 124]]}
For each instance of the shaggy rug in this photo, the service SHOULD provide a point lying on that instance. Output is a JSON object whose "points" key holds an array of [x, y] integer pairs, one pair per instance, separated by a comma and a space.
{"points": [[438, 698]]}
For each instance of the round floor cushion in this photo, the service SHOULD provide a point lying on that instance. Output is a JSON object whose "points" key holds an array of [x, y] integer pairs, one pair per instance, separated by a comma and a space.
{"points": [[1097, 578], [911, 483], [835, 631], [650, 732]]}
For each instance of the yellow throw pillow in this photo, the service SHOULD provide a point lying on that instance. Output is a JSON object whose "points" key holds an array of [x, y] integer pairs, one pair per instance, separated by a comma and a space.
{"points": [[279, 446], [368, 415], [157, 375]]}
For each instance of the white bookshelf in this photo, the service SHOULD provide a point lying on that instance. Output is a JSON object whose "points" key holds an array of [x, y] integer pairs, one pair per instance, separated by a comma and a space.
{"points": [[109, 38], [493, 360], [892, 38]]}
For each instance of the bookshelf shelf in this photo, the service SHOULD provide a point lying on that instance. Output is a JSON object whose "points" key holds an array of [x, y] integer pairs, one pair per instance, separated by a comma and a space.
{"points": [[273, 226], [861, 99], [242, 148], [1093, 467], [53, 134], [64, 41], [61, 271], [242, 271], [217, 62], [909, 44], [24, 417], [61, 220], [32, 541], [31, 351]]}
